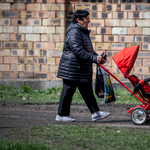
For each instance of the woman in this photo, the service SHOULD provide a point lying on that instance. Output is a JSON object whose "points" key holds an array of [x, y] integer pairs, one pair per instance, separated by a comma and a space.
{"points": [[75, 68]]}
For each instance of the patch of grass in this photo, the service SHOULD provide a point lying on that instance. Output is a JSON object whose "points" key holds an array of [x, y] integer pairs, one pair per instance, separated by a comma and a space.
{"points": [[10, 94], [83, 137]]}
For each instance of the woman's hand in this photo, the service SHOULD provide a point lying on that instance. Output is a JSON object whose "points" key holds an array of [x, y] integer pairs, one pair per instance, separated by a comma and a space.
{"points": [[101, 60]]}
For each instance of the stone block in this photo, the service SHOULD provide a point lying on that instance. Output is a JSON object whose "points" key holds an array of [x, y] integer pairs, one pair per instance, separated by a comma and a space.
{"points": [[26, 75], [111, 38], [146, 15], [135, 15], [58, 30], [118, 46], [142, 7], [41, 45], [127, 23], [59, 46], [128, 7], [10, 75], [146, 31], [103, 46], [32, 68], [26, 14], [104, 30], [120, 15], [40, 60], [40, 14]]}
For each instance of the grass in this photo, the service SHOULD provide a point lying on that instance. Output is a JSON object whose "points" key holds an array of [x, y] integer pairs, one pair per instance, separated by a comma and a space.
{"points": [[9, 94], [77, 137]]}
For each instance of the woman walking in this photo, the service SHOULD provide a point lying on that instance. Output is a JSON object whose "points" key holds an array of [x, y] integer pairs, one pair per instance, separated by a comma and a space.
{"points": [[76, 69]]}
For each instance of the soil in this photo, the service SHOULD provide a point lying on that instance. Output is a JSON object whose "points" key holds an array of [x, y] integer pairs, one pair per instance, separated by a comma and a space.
{"points": [[15, 116]]}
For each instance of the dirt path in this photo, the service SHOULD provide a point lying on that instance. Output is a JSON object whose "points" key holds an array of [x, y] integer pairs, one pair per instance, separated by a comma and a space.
{"points": [[24, 115]]}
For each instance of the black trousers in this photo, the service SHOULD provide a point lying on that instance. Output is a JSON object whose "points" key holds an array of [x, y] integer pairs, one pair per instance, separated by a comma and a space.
{"points": [[68, 90]]}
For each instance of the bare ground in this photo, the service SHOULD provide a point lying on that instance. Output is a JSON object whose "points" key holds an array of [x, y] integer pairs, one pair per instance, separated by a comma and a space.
{"points": [[24, 115]]}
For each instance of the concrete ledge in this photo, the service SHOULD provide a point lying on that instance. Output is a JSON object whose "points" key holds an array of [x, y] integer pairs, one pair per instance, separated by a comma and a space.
{"points": [[45, 84]]}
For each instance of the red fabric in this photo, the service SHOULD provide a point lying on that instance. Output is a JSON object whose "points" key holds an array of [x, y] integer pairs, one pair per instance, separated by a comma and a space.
{"points": [[125, 59]]}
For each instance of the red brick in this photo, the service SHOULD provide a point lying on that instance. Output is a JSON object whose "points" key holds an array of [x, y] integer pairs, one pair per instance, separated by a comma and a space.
{"points": [[31, 68], [4, 37], [26, 14], [4, 52], [26, 45], [10, 75], [18, 22], [26, 60], [135, 30], [26, 75], [1, 14], [120, 15], [126, 39], [146, 62], [1, 75], [17, 52], [50, 1], [17, 6], [54, 68], [51, 61], [31, 52], [111, 38], [51, 45], [33, 22], [141, 70], [96, 23], [52, 76], [17, 67], [5, 21], [1, 44], [33, 7], [59, 1], [10, 60], [103, 15], [4, 67], [103, 46], [112, 22], [1, 60], [45, 68], [135, 15], [40, 45], [10, 45], [40, 14], [104, 30], [17, 37], [70, 7], [40, 60], [128, 7], [57, 60], [4, 6], [39, 75], [11, 14], [138, 62], [117, 46]]}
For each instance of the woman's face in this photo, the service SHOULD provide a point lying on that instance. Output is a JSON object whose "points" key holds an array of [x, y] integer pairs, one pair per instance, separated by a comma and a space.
{"points": [[84, 22]]}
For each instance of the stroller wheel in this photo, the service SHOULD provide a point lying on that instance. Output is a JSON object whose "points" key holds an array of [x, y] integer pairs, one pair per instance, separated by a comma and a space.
{"points": [[139, 116]]}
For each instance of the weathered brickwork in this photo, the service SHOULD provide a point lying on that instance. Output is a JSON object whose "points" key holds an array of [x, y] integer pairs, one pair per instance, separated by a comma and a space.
{"points": [[32, 33]]}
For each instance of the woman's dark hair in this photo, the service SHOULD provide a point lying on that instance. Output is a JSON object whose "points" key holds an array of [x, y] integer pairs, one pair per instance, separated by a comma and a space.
{"points": [[79, 13]]}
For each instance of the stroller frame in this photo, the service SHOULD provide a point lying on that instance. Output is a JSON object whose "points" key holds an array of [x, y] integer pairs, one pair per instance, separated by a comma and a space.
{"points": [[139, 114]]}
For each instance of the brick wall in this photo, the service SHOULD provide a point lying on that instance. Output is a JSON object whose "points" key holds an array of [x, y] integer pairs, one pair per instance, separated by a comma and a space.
{"points": [[32, 34]]}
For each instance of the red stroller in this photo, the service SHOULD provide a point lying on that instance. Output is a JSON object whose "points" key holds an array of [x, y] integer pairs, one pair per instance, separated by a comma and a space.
{"points": [[125, 60]]}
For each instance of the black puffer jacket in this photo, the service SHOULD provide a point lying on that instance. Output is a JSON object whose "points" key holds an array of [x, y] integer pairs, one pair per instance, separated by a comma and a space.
{"points": [[78, 55]]}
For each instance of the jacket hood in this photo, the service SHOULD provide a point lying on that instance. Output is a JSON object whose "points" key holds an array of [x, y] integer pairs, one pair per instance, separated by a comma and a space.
{"points": [[77, 25]]}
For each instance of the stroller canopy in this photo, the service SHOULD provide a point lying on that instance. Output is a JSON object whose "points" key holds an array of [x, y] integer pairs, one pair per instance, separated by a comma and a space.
{"points": [[125, 59]]}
